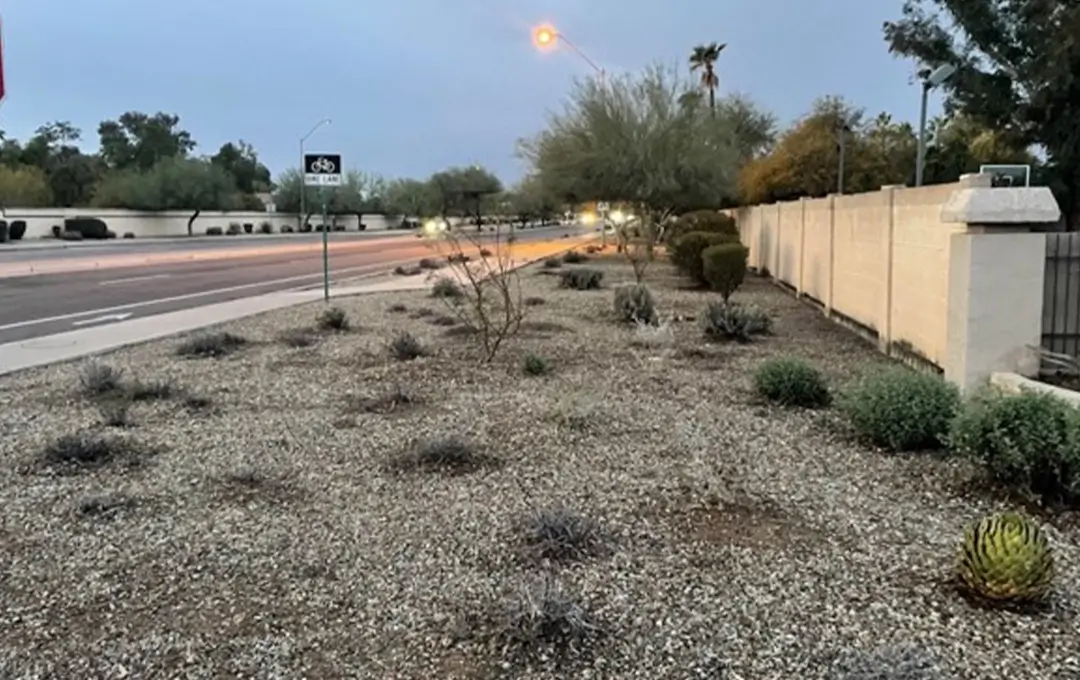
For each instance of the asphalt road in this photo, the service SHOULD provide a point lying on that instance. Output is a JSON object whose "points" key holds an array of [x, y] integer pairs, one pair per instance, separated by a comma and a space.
{"points": [[47, 303]]}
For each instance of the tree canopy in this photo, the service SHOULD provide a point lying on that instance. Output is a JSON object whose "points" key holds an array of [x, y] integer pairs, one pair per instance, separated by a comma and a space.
{"points": [[646, 141], [1017, 72]]}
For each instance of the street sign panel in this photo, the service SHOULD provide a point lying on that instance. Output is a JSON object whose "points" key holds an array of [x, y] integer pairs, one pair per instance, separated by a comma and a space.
{"points": [[1008, 175], [322, 169]]}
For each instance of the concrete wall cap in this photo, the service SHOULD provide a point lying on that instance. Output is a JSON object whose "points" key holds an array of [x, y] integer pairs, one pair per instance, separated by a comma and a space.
{"points": [[1002, 205]]}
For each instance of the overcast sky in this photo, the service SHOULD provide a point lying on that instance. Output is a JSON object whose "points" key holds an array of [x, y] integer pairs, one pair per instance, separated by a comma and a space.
{"points": [[414, 86]]}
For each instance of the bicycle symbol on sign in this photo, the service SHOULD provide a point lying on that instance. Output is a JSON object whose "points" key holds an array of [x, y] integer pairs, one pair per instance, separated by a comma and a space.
{"points": [[323, 166]]}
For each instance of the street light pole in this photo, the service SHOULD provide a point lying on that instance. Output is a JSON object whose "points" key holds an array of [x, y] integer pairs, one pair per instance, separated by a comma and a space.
{"points": [[842, 133], [303, 184], [547, 35], [930, 80]]}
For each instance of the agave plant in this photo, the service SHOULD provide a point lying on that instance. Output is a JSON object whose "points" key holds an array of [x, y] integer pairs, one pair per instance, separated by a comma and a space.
{"points": [[1005, 558]]}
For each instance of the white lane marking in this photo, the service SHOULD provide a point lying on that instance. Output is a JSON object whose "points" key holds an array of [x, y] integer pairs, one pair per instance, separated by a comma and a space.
{"points": [[387, 266], [133, 279], [102, 319]]}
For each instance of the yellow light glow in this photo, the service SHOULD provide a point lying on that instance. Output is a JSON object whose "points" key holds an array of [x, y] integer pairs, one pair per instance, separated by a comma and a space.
{"points": [[588, 218], [544, 36], [617, 216]]}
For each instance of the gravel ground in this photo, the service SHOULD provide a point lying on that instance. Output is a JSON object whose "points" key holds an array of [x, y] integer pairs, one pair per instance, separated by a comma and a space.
{"points": [[263, 535]]}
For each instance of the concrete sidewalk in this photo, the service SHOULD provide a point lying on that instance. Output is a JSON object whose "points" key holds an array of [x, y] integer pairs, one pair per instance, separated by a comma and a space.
{"points": [[17, 356]]}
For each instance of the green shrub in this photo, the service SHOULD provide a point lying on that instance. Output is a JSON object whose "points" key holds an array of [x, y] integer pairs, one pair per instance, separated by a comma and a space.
{"points": [[634, 303], [708, 221], [792, 382], [902, 410], [686, 250], [446, 288], [216, 344], [724, 267], [1029, 441], [332, 319], [534, 364], [581, 279], [574, 257], [732, 321], [552, 263]]}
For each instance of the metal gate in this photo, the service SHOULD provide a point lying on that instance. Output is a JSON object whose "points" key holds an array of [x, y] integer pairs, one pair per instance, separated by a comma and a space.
{"points": [[1061, 294]]}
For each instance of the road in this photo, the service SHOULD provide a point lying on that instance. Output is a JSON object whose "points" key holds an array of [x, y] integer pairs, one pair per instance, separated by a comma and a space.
{"points": [[111, 286]]}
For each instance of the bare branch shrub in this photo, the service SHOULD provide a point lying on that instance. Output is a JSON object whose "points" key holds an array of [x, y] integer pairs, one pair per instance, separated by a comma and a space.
{"points": [[490, 302]]}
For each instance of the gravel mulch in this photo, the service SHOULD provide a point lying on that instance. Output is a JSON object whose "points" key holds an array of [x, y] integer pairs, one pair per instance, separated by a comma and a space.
{"points": [[308, 506]]}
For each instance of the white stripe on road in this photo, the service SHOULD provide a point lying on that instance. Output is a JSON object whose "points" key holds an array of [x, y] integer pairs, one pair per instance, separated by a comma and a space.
{"points": [[102, 319], [381, 266], [133, 279]]}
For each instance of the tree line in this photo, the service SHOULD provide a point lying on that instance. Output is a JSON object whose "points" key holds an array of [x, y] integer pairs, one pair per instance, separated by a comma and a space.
{"points": [[146, 162]]}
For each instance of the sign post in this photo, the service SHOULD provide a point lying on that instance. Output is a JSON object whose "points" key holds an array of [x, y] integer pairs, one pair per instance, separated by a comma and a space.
{"points": [[3, 86], [323, 170], [1008, 175]]}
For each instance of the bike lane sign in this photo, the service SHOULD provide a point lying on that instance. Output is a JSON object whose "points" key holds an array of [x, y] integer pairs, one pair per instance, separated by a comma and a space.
{"points": [[322, 169]]}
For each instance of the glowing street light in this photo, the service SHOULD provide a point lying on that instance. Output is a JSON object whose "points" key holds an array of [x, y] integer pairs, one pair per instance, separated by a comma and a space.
{"points": [[548, 37]]}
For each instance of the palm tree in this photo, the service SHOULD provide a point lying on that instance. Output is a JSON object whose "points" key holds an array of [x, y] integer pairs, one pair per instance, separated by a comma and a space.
{"points": [[704, 57]]}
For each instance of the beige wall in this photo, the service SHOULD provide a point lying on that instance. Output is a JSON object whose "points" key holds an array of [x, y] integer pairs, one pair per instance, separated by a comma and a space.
{"points": [[39, 221], [936, 272]]}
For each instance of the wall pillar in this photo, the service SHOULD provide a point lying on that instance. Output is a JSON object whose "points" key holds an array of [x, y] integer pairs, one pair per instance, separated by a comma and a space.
{"points": [[996, 280], [886, 315]]}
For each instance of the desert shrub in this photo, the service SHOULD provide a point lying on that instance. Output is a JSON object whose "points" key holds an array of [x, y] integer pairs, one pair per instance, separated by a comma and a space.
{"points": [[552, 263], [458, 258], [287, 229], [686, 252], [653, 335], [581, 279], [397, 308], [210, 345], [899, 662], [574, 257], [732, 321], [71, 452], [407, 271], [105, 505], [97, 379], [1029, 441], [297, 338], [578, 412], [592, 249], [394, 399], [429, 263], [484, 252], [129, 234], [405, 347], [214, 231], [266, 228], [114, 413], [249, 228], [149, 390], [443, 320], [235, 229], [197, 402], [634, 303], [724, 267], [452, 454], [332, 319], [706, 221], [534, 301], [534, 364], [901, 410], [446, 288], [560, 535], [544, 617], [792, 382]]}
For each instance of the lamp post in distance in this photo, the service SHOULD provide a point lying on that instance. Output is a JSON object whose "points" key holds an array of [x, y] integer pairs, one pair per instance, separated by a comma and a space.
{"points": [[303, 185], [930, 80], [547, 37]]}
